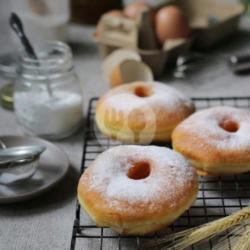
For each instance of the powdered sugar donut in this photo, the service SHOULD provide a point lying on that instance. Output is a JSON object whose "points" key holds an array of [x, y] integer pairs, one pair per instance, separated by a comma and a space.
{"points": [[142, 112], [216, 141], [136, 190]]}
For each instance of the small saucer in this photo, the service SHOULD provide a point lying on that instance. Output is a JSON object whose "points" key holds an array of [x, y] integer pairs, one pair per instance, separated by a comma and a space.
{"points": [[52, 167]]}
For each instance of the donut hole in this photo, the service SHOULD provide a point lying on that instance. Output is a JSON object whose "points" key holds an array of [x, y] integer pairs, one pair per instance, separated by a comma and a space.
{"points": [[142, 91], [140, 170], [229, 125]]}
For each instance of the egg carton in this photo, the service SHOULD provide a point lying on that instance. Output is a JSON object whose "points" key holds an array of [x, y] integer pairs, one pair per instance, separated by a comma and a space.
{"points": [[138, 35], [211, 21]]}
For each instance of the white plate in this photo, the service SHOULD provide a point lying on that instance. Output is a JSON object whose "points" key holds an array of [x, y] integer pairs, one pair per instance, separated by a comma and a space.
{"points": [[53, 166]]}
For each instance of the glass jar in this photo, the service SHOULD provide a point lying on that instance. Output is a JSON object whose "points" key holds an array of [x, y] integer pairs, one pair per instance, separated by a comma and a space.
{"points": [[7, 79], [48, 95]]}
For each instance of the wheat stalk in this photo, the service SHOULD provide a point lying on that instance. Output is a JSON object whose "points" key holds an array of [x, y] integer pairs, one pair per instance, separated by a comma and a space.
{"points": [[181, 240], [230, 238], [243, 242], [236, 239]]}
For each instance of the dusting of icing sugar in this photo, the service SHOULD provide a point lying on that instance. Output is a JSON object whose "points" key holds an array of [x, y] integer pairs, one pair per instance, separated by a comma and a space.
{"points": [[125, 102], [205, 124], [170, 173], [123, 99]]}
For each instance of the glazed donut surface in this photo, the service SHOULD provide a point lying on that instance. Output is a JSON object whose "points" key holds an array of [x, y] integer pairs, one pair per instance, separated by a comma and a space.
{"points": [[142, 112], [136, 190], [216, 141]]}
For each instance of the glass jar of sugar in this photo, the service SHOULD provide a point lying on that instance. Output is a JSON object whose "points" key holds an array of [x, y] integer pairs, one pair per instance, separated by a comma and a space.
{"points": [[48, 95]]}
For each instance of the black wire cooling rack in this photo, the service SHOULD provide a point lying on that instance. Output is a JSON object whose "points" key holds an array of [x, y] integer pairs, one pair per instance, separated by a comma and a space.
{"points": [[217, 197]]}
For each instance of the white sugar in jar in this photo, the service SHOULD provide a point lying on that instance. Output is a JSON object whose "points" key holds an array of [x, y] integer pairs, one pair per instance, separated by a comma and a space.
{"points": [[48, 95]]}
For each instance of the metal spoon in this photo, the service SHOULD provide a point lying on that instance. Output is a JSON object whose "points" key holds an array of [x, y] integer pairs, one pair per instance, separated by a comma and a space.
{"points": [[19, 155], [17, 26]]}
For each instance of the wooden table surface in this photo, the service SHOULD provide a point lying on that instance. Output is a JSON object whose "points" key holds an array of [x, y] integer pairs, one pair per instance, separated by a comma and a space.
{"points": [[46, 221]]}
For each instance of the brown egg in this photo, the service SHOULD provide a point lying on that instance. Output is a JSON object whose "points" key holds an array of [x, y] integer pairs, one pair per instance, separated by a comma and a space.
{"points": [[133, 10], [117, 13], [170, 23]]}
